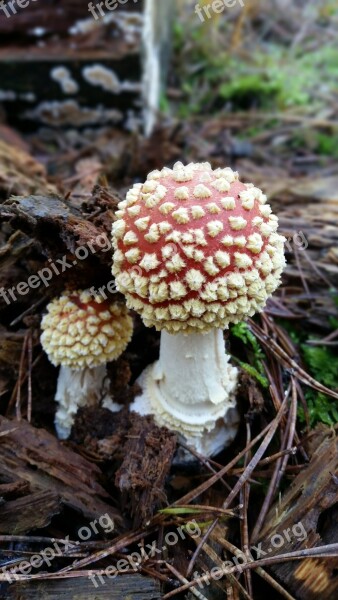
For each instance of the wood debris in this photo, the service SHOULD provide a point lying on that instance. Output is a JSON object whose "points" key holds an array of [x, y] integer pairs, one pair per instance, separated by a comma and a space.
{"points": [[308, 512], [148, 452], [20, 173], [38, 458]]}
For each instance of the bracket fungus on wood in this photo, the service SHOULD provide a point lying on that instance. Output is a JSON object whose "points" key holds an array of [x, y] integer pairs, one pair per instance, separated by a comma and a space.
{"points": [[195, 250], [82, 333]]}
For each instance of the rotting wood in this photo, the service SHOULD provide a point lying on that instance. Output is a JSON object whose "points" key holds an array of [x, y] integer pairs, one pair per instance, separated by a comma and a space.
{"points": [[62, 227], [148, 452], [307, 514], [13, 489], [36, 456], [32, 511], [59, 228]]}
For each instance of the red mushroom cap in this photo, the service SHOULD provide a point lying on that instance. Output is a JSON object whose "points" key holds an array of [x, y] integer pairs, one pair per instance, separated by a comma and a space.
{"points": [[196, 248]]}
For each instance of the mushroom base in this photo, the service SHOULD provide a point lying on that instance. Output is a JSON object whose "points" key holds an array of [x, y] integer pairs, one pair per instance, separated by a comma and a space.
{"points": [[87, 387], [190, 389]]}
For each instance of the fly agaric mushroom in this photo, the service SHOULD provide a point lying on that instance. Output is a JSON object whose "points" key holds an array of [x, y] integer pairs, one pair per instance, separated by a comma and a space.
{"points": [[195, 250], [82, 333]]}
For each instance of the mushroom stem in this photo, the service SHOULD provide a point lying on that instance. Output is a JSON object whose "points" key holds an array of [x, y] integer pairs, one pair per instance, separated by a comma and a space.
{"points": [[191, 389], [75, 388]]}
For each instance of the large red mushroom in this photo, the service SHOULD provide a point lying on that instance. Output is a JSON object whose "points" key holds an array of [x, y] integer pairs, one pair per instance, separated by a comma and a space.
{"points": [[195, 250]]}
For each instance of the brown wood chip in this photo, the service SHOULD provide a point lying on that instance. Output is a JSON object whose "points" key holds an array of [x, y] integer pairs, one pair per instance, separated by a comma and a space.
{"points": [[36, 456]]}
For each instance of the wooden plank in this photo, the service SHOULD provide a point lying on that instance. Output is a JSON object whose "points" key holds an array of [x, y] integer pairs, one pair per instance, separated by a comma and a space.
{"points": [[125, 587], [64, 67], [58, 17]]}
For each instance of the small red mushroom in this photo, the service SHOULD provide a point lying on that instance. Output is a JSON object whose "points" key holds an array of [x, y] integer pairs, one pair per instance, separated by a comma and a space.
{"points": [[82, 333], [195, 250]]}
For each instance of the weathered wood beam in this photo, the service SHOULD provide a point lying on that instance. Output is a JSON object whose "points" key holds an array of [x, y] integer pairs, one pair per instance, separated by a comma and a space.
{"points": [[74, 67], [125, 587]]}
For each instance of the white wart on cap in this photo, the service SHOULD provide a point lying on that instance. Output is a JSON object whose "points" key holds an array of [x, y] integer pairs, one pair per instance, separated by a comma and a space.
{"points": [[81, 331]]}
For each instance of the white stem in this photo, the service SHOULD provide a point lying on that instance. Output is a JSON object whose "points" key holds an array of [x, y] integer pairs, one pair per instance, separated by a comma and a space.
{"points": [[191, 389], [75, 389]]}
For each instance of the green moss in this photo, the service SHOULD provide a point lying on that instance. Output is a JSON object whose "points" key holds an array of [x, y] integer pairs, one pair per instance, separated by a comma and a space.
{"points": [[256, 369], [316, 141], [321, 362], [248, 89], [327, 144], [272, 76], [323, 366], [164, 104]]}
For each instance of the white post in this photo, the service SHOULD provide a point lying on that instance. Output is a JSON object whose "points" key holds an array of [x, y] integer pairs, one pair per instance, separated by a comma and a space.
{"points": [[156, 43]]}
